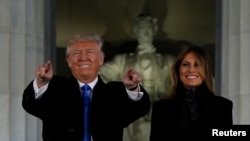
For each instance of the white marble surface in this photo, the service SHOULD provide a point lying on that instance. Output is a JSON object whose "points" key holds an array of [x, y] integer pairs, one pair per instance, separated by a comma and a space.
{"points": [[4, 117], [17, 119], [4, 63], [235, 56], [21, 50]]}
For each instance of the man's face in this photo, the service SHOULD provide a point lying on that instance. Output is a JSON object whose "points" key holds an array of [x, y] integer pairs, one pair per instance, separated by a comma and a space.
{"points": [[84, 60]]}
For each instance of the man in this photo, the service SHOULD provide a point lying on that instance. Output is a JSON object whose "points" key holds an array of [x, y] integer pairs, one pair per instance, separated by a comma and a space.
{"points": [[58, 102]]}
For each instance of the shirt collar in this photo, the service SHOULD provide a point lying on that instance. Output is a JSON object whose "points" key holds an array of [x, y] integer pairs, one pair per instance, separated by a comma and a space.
{"points": [[91, 84]]}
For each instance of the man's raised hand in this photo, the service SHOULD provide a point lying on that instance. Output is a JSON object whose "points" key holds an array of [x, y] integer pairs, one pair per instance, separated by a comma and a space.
{"points": [[44, 73]]}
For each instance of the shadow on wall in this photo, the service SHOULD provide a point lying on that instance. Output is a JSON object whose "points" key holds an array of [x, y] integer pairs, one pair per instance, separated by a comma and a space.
{"points": [[61, 63], [163, 46]]}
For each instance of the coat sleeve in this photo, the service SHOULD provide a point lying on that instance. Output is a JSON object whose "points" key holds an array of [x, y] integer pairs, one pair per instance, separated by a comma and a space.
{"points": [[228, 112], [40, 107], [161, 121], [223, 112], [154, 129], [127, 109], [30, 104]]}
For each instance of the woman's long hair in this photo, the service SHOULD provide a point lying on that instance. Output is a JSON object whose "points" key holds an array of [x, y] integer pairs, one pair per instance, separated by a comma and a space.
{"points": [[203, 58]]}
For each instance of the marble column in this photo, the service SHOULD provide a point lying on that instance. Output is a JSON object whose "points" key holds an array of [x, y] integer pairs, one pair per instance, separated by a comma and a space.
{"points": [[235, 57], [22, 49]]}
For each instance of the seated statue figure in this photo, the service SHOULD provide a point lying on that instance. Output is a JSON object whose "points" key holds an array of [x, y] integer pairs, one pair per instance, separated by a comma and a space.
{"points": [[153, 66]]}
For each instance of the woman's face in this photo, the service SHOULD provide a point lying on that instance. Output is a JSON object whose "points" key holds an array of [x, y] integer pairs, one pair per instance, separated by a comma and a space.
{"points": [[191, 71]]}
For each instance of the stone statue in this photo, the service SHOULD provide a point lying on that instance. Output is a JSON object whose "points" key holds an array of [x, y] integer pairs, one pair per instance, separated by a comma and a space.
{"points": [[153, 66]]}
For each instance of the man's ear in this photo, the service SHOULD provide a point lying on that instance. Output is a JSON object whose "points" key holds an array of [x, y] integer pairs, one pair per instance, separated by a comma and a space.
{"points": [[101, 58], [68, 62]]}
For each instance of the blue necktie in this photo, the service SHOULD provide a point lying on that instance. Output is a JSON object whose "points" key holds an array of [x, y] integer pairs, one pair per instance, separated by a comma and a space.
{"points": [[86, 91]]}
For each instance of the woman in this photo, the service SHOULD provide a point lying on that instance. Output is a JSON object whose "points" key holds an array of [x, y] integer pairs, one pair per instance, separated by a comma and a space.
{"points": [[192, 109]]}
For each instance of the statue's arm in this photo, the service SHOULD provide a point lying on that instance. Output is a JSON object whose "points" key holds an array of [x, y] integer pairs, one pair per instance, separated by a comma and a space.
{"points": [[113, 69]]}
